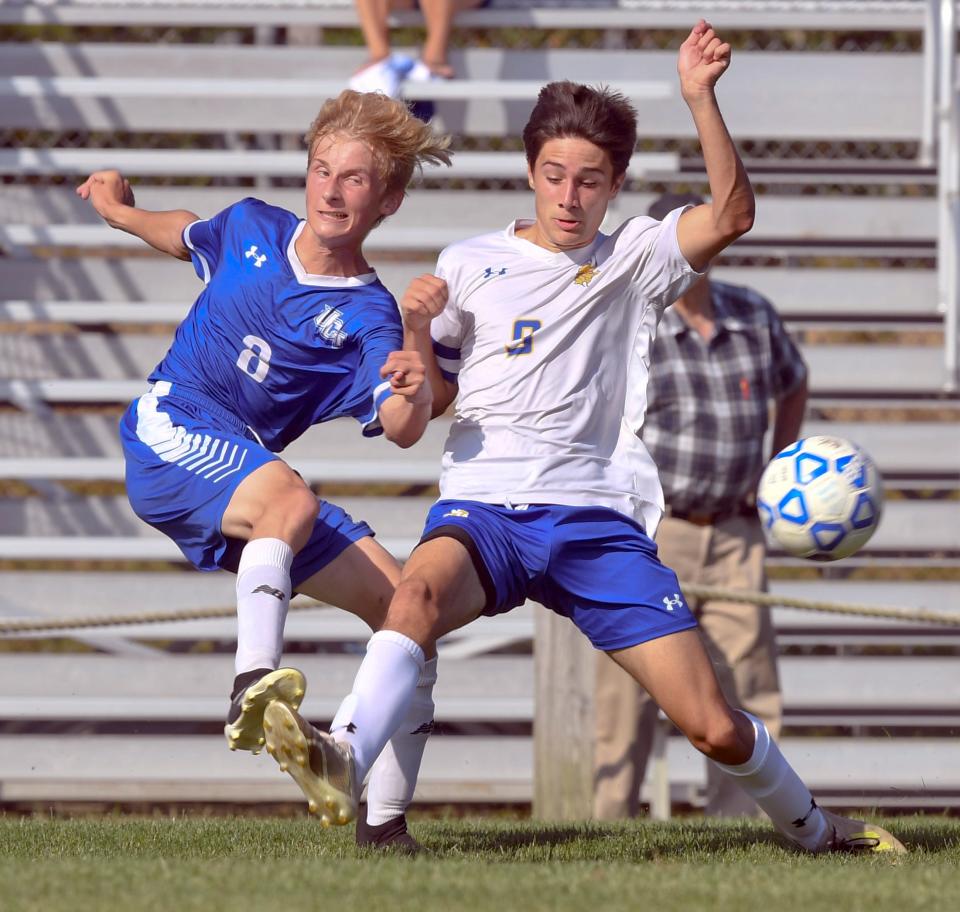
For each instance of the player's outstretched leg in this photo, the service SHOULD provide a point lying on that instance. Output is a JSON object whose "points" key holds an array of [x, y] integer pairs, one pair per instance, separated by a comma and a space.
{"points": [[676, 671], [770, 780], [323, 769], [253, 691]]}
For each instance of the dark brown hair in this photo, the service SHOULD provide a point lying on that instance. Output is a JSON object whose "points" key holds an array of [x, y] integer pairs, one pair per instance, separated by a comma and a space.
{"points": [[598, 115]]}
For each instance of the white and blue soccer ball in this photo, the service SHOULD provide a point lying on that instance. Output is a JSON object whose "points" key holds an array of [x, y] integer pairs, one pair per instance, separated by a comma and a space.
{"points": [[820, 498]]}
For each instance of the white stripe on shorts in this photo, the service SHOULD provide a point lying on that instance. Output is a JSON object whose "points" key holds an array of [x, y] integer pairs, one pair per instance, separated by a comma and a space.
{"points": [[198, 453]]}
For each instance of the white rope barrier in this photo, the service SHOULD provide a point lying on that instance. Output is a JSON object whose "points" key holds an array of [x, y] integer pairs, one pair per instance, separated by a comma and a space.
{"points": [[910, 615], [10, 628]]}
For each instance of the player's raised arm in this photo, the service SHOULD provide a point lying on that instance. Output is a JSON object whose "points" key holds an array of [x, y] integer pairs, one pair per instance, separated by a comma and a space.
{"points": [[111, 196], [706, 230], [415, 378], [424, 299]]}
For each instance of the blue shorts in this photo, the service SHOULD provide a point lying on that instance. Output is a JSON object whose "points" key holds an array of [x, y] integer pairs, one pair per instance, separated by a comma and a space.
{"points": [[590, 564], [185, 458]]}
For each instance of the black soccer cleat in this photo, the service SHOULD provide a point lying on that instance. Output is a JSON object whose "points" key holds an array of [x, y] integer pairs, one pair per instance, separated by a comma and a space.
{"points": [[391, 836]]}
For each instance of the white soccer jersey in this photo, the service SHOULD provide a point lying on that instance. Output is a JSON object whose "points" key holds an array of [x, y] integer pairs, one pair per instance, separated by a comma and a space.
{"points": [[550, 352]]}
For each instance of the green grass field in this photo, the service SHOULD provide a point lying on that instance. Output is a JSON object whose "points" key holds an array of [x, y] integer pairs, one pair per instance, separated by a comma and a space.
{"points": [[194, 863]]}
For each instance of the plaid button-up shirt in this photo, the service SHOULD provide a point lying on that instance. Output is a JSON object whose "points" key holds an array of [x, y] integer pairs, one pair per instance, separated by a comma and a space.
{"points": [[708, 401]]}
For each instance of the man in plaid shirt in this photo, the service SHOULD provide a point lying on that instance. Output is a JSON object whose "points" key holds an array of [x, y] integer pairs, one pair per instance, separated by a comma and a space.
{"points": [[721, 356]]}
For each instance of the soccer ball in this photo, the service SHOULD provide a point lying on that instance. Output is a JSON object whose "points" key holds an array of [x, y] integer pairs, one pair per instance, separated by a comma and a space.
{"points": [[820, 498]]}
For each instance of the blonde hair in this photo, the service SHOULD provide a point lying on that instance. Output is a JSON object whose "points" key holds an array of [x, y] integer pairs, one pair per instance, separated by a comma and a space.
{"points": [[400, 143]]}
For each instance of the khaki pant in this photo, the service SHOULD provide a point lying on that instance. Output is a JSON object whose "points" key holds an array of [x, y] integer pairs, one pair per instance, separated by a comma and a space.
{"points": [[740, 640]]}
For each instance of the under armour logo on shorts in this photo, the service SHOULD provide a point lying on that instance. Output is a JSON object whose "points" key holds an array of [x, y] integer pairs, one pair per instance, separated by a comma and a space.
{"points": [[671, 603]]}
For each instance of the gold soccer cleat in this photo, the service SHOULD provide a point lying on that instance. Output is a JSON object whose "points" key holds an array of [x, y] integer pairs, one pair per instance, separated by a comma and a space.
{"points": [[244, 728], [857, 836], [323, 768]]}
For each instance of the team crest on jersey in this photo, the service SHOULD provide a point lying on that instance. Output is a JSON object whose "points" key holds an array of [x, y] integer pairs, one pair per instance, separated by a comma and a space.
{"points": [[329, 327], [457, 511], [585, 274]]}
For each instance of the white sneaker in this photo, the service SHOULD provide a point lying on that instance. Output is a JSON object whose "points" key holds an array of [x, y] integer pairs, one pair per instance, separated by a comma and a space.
{"points": [[420, 72], [323, 768], [385, 76]]}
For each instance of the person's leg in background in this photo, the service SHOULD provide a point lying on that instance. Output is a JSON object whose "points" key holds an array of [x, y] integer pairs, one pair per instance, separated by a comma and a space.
{"points": [[742, 644], [383, 70], [625, 716]]}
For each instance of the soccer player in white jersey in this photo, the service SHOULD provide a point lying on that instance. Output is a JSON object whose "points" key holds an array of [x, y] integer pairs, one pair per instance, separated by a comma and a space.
{"points": [[292, 328], [547, 492]]}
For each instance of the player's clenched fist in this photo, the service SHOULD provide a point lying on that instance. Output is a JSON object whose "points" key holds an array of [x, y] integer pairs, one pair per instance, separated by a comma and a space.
{"points": [[106, 190], [423, 300], [702, 61], [408, 376]]}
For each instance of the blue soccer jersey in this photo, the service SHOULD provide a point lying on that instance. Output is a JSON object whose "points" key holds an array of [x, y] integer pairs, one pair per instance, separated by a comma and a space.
{"points": [[277, 347]]}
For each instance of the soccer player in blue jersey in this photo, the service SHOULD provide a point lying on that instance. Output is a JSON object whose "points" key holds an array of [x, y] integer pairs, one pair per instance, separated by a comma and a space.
{"points": [[292, 328], [547, 492]]}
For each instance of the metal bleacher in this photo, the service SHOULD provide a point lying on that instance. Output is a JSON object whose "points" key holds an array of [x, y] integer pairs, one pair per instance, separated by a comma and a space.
{"points": [[204, 102]]}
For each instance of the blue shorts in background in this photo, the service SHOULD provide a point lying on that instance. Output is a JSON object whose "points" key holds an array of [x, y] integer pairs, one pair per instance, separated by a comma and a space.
{"points": [[590, 564], [185, 458]]}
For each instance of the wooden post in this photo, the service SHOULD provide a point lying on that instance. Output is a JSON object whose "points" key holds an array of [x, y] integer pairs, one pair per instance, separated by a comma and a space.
{"points": [[563, 736]]}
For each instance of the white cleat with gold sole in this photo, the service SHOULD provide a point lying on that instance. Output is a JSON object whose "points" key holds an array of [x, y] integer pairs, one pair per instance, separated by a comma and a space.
{"points": [[322, 767], [244, 728], [857, 836]]}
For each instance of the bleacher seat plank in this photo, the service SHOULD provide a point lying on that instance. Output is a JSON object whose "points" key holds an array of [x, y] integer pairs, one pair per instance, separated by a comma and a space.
{"points": [[75, 594], [875, 370], [925, 451], [57, 368], [34, 532], [808, 293], [65, 434], [817, 690], [806, 108], [251, 163], [798, 294], [433, 219], [196, 688], [66, 767], [135, 279], [201, 768], [605, 14]]}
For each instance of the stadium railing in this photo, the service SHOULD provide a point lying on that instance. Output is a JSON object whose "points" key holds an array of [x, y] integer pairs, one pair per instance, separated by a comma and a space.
{"points": [[844, 246]]}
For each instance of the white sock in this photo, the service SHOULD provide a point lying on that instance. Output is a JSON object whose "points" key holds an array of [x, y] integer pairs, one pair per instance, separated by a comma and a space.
{"points": [[770, 781], [263, 595], [394, 774], [381, 695]]}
